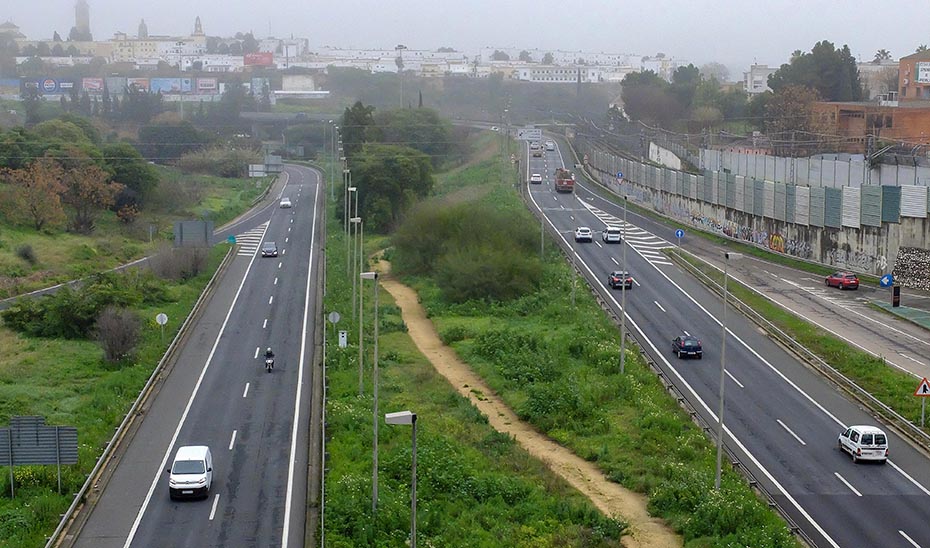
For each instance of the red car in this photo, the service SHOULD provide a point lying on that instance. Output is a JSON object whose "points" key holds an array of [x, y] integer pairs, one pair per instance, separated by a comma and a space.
{"points": [[842, 280]]}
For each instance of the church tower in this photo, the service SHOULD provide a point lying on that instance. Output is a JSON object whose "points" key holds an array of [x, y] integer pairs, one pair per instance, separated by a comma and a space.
{"points": [[198, 28], [82, 17], [143, 30]]}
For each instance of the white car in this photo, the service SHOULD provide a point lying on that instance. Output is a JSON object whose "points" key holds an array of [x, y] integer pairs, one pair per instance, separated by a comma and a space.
{"points": [[583, 234], [536, 178], [550, 145], [285, 202], [494, 128], [611, 235], [864, 443]]}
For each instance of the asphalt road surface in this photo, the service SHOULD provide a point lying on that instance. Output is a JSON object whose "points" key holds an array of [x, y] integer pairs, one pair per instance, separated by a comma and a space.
{"points": [[781, 419], [217, 393]]}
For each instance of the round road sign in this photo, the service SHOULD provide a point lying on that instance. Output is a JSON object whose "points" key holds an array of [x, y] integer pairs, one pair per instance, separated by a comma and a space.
{"points": [[161, 318]]}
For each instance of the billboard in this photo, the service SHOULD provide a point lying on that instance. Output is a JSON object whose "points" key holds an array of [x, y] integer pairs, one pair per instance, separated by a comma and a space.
{"points": [[116, 85], [258, 86], [263, 58], [206, 85], [92, 85], [923, 73], [187, 85], [141, 84], [165, 85]]}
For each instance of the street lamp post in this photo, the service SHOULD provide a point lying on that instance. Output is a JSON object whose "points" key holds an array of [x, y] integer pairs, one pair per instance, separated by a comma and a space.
{"points": [[727, 257], [352, 264], [623, 293], [374, 376], [406, 417]]}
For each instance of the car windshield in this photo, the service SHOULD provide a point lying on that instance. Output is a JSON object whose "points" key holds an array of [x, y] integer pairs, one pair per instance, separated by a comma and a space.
{"points": [[188, 467]]}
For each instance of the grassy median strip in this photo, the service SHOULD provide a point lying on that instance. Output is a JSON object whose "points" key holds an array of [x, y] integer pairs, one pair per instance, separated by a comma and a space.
{"points": [[891, 386], [557, 366], [476, 487], [67, 382]]}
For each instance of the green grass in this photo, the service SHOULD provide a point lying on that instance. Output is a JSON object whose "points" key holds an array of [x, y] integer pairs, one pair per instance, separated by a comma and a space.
{"points": [[63, 256], [891, 386], [68, 382], [557, 366], [476, 487]]}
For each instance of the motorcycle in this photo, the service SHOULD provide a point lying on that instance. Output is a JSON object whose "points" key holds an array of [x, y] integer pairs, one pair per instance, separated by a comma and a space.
{"points": [[269, 364]]}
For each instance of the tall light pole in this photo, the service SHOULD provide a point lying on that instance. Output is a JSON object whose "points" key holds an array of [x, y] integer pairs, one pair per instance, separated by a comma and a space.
{"points": [[727, 257], [406, 417], [332, 163], [374, 376], [348, 213], [623, 293], [399, 48], [352, 264]]}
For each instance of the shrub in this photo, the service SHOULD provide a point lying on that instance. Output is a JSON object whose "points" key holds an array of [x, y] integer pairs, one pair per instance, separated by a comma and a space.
{"points": [[118, 332], [179, 263], [26, 253]]}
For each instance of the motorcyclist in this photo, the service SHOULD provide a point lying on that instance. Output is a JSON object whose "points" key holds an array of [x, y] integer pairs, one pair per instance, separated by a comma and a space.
{"points": [[269, 354]]}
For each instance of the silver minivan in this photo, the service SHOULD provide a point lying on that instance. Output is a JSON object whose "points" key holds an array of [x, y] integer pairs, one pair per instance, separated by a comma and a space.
{"points": [[191, 474]]}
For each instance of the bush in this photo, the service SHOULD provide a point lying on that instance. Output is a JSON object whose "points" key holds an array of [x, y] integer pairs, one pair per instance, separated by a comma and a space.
{"points": [[26, 253], [179, 263], [118, 332], [221, 161]]}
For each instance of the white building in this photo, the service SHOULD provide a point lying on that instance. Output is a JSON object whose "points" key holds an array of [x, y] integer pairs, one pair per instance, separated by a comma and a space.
{"points": [[756, 79]]}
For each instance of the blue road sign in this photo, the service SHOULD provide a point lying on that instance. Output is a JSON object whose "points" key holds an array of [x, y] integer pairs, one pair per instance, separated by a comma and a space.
{"points": [[619, 175], [887, 280], [679, 233], [231, 239]]}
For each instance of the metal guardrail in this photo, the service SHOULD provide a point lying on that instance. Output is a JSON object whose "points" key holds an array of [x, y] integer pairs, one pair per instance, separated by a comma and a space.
{"points": [[69, 515], [876, 406]]}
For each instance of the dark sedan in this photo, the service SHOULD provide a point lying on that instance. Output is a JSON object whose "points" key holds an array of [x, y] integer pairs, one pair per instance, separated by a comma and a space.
{"points": [[687, 347], [620, 278]]}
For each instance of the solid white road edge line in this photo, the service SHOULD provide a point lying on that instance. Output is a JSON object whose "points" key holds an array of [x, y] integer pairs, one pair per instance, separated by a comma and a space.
{"points": [[187, 408], [288, 500]]}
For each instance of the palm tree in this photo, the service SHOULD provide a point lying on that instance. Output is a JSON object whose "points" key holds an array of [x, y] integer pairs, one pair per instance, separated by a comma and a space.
{"points": [[881, 55], [921, 48]]}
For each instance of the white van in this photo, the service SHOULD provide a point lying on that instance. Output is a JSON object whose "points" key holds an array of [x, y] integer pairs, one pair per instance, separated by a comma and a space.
{"points": [[611, 235], [864, 443], [191, 475]]}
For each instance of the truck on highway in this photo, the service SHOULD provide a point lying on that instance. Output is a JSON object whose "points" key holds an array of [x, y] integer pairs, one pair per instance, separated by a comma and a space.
{"points": [[564, 180]]}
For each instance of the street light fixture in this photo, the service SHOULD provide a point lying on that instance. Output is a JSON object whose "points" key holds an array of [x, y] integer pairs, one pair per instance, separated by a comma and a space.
{"points": [[406, 417], [727, 256], [374, 376]]}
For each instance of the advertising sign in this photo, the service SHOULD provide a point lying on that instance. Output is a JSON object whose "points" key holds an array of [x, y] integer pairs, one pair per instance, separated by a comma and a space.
{"points": [[206, 85], [65, 85], [48, 85], [141, 84], [264, 58], [116, 85], [187, 85], [92, 85], [165, 85], [258, 86], [923, 73]]}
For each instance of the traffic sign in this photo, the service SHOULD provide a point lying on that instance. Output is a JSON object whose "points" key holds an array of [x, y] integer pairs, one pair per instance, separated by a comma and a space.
{"points": [[334, 317], [619, 175], [886, 281], [231, 239], [679, 233], [923, 389], [529, 134]]}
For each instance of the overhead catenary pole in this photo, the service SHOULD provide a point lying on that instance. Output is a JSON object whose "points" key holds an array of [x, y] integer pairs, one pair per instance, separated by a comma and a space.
{"points": [[623, 293]]}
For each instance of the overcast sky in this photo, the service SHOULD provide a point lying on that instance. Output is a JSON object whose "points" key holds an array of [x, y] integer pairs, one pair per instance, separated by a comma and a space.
{"points": [[733, 32]]}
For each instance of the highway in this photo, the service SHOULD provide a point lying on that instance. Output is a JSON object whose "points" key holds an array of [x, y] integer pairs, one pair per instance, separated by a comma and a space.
{"points": [[781, 419], [218, 393]]}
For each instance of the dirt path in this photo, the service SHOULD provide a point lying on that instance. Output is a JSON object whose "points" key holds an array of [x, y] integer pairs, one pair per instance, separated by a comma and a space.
{"points": [[610, 498]]}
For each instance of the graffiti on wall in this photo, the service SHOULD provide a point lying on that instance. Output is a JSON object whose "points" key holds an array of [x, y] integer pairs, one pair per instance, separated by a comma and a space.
{"points": [[856, 260]]}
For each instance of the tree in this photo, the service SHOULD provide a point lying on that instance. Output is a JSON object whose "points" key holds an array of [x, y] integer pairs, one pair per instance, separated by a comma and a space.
{"points": [[356, 127], [525, 57], [446, 49], [547, 59], [499, 55], [88, 191], [647, 97], [57, 51], [790, 111], [43, 49], [141, 106], [684, 81], [118, 330], [422, 129], [921, 48], [249, 43], [33, 67], [56, 37], [31, 101], [391, 178], [78, 36], [129, 168], [831, 72], [881, 55], [168, 141], [35, 196], [716, 71]]}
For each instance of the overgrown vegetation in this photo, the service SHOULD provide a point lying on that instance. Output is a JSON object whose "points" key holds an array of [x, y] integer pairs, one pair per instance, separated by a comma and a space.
{"points": [[475, 487], [558, 367], [69, 382]]}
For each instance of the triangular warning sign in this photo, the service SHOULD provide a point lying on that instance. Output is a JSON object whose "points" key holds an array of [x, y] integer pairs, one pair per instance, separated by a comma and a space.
{"points": [[923, 389]]}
